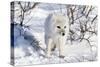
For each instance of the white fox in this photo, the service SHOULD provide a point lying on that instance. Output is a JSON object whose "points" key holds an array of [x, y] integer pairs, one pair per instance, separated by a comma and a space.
{"points": [[56, 31]]}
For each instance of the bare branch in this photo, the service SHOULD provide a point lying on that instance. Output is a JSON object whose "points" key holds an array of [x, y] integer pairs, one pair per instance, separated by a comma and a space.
{"points": [[89, 11], [94, 19], [72, 16]]}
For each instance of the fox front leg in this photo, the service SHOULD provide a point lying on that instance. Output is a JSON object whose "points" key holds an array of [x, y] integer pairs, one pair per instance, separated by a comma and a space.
{"points": [[61, 47]]}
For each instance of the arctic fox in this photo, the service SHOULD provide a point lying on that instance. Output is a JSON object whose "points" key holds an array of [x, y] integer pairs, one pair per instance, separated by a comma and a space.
{"points": [[56, 31]]}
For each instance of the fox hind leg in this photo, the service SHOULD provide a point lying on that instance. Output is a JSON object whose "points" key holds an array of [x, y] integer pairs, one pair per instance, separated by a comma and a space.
{"points": [[49, 47]]}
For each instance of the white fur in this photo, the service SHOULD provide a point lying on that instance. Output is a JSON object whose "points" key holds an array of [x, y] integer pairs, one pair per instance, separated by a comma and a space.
{"points": [[53, 35]]}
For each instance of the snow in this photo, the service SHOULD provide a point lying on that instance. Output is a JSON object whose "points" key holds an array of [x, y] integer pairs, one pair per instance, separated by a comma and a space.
{"points": [[76, 52], [29, 46]]}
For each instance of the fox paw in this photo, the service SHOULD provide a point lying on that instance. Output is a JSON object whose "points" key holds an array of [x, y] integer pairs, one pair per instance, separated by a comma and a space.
{"points": [[61, 56]]}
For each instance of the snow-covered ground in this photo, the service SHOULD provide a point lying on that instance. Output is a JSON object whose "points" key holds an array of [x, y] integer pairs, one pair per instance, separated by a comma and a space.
{"points": [[76, 52], [29, 46]]}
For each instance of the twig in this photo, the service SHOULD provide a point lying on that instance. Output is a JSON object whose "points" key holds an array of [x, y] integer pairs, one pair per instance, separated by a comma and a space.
{"points": [[94, 19], [89, 11], [72, 16]]}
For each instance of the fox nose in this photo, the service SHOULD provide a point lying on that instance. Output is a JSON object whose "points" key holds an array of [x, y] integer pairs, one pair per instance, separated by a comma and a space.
{"points": [[63, 34]]}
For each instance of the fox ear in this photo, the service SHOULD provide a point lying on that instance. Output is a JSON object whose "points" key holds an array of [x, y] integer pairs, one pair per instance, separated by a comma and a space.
{"points": [[51, 16], [54, 16]]}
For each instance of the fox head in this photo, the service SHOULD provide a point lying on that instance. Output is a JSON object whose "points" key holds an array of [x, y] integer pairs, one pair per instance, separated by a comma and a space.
{"points": [[61, 24]]}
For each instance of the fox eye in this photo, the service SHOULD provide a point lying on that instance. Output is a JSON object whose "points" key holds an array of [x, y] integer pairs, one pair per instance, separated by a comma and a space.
{"points": [[58, 27], [64, 26]]}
